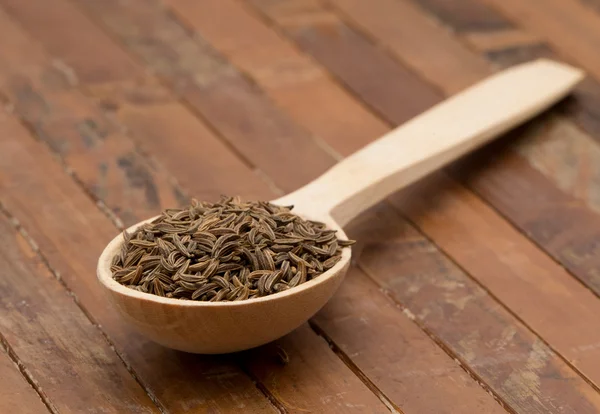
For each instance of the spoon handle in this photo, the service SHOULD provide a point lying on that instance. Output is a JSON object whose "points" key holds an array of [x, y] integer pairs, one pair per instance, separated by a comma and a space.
{"points": [[433, 139]]}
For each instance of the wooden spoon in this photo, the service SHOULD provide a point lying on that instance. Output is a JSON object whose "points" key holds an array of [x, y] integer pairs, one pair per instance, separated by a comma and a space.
{"points": [[404, 155]]}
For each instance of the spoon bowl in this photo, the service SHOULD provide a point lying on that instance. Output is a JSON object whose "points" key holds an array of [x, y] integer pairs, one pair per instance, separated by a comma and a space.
{"points": [[220, 327], [433, 139]]}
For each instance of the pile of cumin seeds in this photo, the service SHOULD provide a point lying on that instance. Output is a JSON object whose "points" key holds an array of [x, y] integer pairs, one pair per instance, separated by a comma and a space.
{"points": [[225, 251]]}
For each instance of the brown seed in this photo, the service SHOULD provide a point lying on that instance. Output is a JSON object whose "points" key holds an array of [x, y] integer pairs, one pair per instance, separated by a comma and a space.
{"points": [[211, 269], [272, 279], [219, 280], [257, 274], [189, 278], [297, 260], [204, 289], [142, 243], [221, 294], [346, 243], [243, 294], [329, 263]]}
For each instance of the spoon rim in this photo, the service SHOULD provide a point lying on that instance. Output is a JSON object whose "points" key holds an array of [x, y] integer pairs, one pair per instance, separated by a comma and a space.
{"points": [[104, 275]]}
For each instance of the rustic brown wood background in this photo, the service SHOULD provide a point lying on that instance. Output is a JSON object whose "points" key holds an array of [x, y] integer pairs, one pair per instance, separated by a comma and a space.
{"points": [[475, 291]]}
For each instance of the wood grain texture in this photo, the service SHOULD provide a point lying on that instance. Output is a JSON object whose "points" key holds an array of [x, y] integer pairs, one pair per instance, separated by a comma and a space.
{"points": [[525, 374], [103, 158], [570, 26], [565, 156], [584, 109], [466, 15], [380, 18], [66, 355], [284, 367], [196, 158], [413, 150], [335, 44], [156, 122], [492, 403], [409, 368], [354, 184], [106, 93], [445, 80], [103, 63], [289, 77], [16, 395], [233, 105], [419, 42], [61, 219], [555, 374], [458, 226], [500, 40]]}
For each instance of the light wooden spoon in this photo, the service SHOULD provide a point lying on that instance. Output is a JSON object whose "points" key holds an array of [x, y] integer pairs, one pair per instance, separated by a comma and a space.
{"points": [[409, 152]]}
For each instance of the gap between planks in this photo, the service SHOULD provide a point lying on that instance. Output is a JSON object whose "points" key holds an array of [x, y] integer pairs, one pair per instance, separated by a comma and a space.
{"points": [[21, 368]]}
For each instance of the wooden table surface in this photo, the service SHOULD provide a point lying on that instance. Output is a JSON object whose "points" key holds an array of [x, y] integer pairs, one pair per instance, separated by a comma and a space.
{"points": [[474, 291]]}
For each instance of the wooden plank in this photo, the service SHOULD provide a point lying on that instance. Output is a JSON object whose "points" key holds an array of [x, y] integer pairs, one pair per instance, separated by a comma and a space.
{"points": [[553, 151], [395, 354], [284, 368], [511, 49], [448, 64], [16, 395], [64, 353], [594, 4], [570, 27], [500, 40], [289, 77], [565, 226], [103, 63], [438, 37], [475, 236], [525, 374], [233, 105], [466, 15], [568, 158], [104, 159], [382, 18], [61, 219], [559, 150], [324, 366], [183, 143], [333, 43], [168, 132]]}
